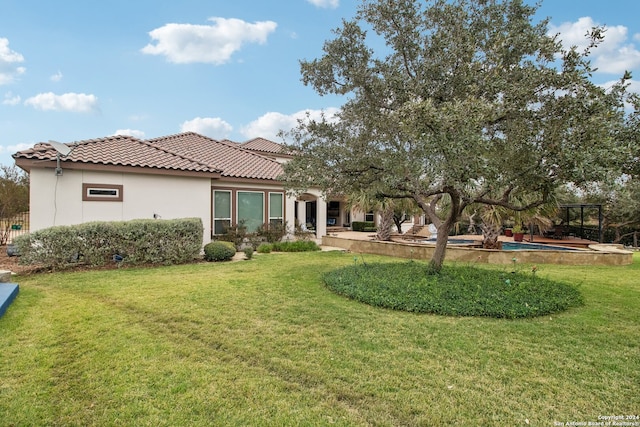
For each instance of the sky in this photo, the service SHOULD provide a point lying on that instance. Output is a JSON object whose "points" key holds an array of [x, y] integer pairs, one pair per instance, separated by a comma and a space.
{"points": [[77, 70]]}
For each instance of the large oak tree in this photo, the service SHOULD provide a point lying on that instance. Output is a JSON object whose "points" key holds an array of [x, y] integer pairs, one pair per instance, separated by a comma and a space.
{"points": [[456, 102]]}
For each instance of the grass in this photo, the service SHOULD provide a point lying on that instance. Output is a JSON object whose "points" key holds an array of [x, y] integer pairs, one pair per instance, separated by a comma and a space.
{"points": [[263, 342], [455, 291]]}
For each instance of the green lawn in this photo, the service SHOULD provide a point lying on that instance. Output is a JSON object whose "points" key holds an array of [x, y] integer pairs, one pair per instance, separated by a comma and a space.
{"points": [[263, 342]]}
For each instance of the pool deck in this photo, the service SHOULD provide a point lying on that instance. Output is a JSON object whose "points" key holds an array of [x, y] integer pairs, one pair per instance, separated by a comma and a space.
{"points": [[573, 242]]}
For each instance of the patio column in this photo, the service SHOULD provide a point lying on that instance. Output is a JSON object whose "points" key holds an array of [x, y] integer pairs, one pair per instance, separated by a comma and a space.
{"points": [[321, 215], [302, 213], [290, 216]]}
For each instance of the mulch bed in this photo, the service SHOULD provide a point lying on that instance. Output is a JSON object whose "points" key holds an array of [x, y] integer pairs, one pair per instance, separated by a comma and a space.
{"points": [[11, 263]]}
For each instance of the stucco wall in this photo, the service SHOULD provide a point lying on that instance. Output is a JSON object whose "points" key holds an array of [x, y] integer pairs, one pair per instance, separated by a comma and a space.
{"points": [[57, 200], [604, 256]]}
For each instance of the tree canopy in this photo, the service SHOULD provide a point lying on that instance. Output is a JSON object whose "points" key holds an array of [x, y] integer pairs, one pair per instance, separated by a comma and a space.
{"points": [[461, 102]]}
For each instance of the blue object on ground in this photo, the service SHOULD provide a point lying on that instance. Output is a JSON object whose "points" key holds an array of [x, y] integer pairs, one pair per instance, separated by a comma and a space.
{"points": [[8, 292]]}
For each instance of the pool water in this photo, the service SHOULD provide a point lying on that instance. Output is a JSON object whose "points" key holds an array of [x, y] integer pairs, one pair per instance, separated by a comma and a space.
{"points": [[517, 246], [510, 246]]}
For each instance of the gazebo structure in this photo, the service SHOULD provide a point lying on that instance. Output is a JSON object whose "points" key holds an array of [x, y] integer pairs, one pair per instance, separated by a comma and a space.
{"points": [[581, 231], [566, 231]]}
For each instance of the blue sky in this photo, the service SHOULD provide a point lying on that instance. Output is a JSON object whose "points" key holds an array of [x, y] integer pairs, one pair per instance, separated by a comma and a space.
{"points": [[78, 70]]}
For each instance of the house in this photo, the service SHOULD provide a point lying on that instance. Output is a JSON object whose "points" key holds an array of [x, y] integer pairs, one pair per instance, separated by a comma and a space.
{"points": [[176, 176]]}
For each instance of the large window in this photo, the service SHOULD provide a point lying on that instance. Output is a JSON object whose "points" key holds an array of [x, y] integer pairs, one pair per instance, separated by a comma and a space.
{"points": [[221, 211], [251, 209], [276, 208]]}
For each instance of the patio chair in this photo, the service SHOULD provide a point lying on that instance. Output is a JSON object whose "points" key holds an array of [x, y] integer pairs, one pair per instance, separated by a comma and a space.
{"points": [[558, 232]]}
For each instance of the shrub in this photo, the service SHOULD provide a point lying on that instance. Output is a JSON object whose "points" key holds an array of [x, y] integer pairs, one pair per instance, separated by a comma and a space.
{"points": [[455, 291], [248, 252], [219, 251], [272, 233], [136, 242], [363, 226], [297, 246], [264, 248], [235, 234]]}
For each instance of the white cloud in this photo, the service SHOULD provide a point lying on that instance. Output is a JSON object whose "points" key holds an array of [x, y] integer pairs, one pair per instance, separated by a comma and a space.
{"points": [[15, 148], [213, 127], [56, 77], [9, 60], [73, 102], [614, 55], [214, 44], [10, 99], [130, 132], [270, 124], [333, 4]]}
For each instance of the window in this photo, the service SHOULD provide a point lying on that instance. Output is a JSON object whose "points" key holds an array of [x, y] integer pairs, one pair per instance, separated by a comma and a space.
{"points": [[369, 216], [251, 209], [101, 193], [221, 211], [275, 208]]}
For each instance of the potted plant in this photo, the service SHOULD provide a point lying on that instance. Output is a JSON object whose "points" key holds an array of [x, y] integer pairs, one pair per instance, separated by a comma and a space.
{"points": [[518, 233], [508, 232]]}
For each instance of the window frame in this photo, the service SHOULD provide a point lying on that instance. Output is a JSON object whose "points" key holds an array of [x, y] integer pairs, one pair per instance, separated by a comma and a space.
{"points": [[279, 219], [229, 219], [88, 197]]}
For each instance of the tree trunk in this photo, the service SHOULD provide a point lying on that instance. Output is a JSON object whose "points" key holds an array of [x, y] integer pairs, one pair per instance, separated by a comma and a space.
{"points": [[490, 234], [435, 265], [398, 222], [384, 227], [444, 227]]}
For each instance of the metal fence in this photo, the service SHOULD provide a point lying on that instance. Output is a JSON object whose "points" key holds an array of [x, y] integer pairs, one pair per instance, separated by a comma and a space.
{"points": [[13, 227]]}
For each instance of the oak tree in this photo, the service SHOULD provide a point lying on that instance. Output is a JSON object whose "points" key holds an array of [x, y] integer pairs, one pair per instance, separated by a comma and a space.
{"points": [[462, 102]]}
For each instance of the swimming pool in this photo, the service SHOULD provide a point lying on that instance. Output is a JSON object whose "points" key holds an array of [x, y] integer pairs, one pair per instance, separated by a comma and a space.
{"points": [[506, 246]]}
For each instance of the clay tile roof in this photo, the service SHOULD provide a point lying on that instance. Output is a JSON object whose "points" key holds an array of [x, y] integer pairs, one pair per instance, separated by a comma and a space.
{"points": [[229, 157], [262, 145], [181, 152], [119, 151]]}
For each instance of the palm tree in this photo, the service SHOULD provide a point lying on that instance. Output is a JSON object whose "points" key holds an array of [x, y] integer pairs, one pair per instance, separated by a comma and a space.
{"points": [[389, 210], [494, 216]]}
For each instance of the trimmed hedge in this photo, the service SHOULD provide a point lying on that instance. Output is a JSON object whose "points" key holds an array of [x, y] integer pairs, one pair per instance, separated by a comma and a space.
{"points": [[136, 242], [264, 248], [363, 226], [219, 251], [297, 246]]}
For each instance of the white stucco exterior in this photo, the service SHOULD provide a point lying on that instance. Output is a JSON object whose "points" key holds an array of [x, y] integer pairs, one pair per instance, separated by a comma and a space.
{"points": [[57, 200]]}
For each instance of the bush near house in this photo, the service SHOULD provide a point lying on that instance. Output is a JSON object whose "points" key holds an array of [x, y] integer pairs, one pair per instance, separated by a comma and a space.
{"points": [[264, 248], [242, 238], [363, 226], [297, 246], [136, 242], [219, 251]]}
